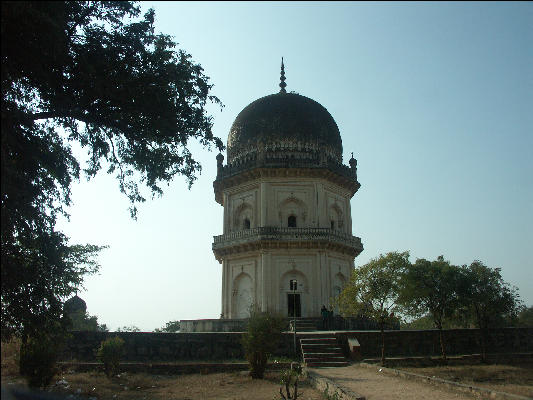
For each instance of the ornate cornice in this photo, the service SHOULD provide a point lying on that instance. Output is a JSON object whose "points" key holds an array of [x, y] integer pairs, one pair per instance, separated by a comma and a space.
{"points": [[266, 238], [258, 167]]}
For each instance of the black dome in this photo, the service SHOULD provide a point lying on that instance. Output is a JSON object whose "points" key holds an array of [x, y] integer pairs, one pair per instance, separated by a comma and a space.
{"points": [[288, 119]]}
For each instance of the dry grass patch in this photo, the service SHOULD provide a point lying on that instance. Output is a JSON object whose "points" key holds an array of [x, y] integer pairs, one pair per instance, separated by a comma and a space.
{"points": [[138, 386], [514, 378]]}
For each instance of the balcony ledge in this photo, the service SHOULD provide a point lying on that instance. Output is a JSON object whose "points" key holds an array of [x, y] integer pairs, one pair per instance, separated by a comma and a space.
{"points": [[263, 238]]}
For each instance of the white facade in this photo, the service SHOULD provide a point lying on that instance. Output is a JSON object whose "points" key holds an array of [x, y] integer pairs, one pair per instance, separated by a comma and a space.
{"points": [[259, 275]]}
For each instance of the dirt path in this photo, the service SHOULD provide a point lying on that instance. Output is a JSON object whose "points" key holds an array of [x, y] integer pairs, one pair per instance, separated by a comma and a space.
{"points": [[376, 386]]}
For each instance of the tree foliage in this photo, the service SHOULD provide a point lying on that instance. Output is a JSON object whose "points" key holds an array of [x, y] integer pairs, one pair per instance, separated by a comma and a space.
{"points": [[525, 317], [261, 340], [487, 299], [431, 287], [109, 353], [38, 358], [83, 321], [374, 289], [97, 75], [170, 327], [129, 328], [38, 271]]}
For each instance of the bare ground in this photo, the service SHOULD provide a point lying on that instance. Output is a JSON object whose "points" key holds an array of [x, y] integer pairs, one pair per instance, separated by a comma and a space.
{"points": [[514, 379], [377, 386], [225, 386]]}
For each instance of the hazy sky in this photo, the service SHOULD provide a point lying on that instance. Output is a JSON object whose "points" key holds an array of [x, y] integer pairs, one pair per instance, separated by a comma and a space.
{"points": [[434, 99]]}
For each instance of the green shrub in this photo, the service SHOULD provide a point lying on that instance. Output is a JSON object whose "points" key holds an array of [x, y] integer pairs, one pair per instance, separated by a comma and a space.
{"points": [[38, 357], [261, 340], [289, 378], [109, 353]]}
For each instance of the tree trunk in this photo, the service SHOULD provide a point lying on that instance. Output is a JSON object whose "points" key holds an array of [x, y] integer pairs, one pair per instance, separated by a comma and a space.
{"points": [[438, 324], [442, 347], [483, 332], [382, 344]]}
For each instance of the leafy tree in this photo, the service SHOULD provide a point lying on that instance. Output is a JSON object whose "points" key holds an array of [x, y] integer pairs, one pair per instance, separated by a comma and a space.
{"points": [[93, 74], [420, 323], [85, 322], [109, 353], [374, 289], [486, 298], [39, 269], [525, 317], [38, 358], [431, 287], [170, 327], [261, 339], [130, 328]]}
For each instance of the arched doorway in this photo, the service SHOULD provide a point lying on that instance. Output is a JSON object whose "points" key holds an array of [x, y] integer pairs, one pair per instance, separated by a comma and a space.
{"points": [[293, 294]]}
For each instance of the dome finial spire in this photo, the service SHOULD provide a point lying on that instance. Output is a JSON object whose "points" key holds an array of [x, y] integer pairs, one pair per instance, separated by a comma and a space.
{"points": [[282, 84]]}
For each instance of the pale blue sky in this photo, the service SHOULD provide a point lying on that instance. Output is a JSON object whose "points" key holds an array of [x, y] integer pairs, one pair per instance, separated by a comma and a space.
{"points": [[434, 99]]}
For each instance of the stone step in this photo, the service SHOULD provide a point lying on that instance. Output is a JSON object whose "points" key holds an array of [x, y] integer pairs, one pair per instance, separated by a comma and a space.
{"points": [[319, 340], [318, 355], [324, 359], [322, 352], [327, 364], [321, 347]]}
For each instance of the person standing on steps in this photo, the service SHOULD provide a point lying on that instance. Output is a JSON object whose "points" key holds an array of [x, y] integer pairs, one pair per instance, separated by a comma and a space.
{"points": [[324, 313]]}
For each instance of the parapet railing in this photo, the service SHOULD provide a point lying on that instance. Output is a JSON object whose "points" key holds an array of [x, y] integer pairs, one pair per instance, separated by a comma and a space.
{"points": [[284, 162], [286, 234]]}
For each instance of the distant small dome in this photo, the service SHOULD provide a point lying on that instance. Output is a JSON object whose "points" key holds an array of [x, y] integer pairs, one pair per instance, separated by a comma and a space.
{"points": [[286, 119], [75, 305]]}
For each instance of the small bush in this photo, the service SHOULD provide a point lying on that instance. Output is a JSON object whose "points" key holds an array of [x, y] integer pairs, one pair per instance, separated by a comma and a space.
{"points": [[38, 357], [261, 340], [109, 353], [290, 378], [11, 357]]}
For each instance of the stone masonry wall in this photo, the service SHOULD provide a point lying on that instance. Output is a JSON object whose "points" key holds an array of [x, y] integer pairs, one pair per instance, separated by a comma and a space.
{"points": [[164, 347], [408, 343], [170, 347]]}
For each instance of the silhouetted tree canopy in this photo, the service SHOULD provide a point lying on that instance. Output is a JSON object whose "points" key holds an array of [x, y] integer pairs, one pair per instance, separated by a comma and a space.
{"points": [[94, 74], [525, 317], [430, 287], [374, 289], [170, 327], [128, 328], [487, 299]]}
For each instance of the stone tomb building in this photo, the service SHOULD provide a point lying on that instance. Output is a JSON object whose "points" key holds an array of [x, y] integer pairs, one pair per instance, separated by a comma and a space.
{"points": [[287, 217]]}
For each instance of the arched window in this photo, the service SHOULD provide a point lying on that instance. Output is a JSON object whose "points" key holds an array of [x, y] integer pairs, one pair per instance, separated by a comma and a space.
{"points": [[291, 223], [246, 223], [293, 284], [332, 224]]}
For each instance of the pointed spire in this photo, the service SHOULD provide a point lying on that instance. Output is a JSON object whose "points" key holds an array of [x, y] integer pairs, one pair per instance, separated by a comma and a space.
{"points": [[282, 84]]}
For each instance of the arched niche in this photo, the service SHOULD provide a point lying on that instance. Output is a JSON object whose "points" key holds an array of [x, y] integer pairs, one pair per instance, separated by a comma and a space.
{"points": [[336, 217], [339, 281], [292, 213], [243, 217], [243, 296]]}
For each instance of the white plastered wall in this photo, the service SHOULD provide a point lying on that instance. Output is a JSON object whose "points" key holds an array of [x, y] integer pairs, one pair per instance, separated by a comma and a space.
{"points": [[262, 274]]}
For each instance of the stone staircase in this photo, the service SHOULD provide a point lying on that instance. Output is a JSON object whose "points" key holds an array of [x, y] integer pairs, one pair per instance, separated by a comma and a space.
{"points": [[323, 351], [305, 324]]}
